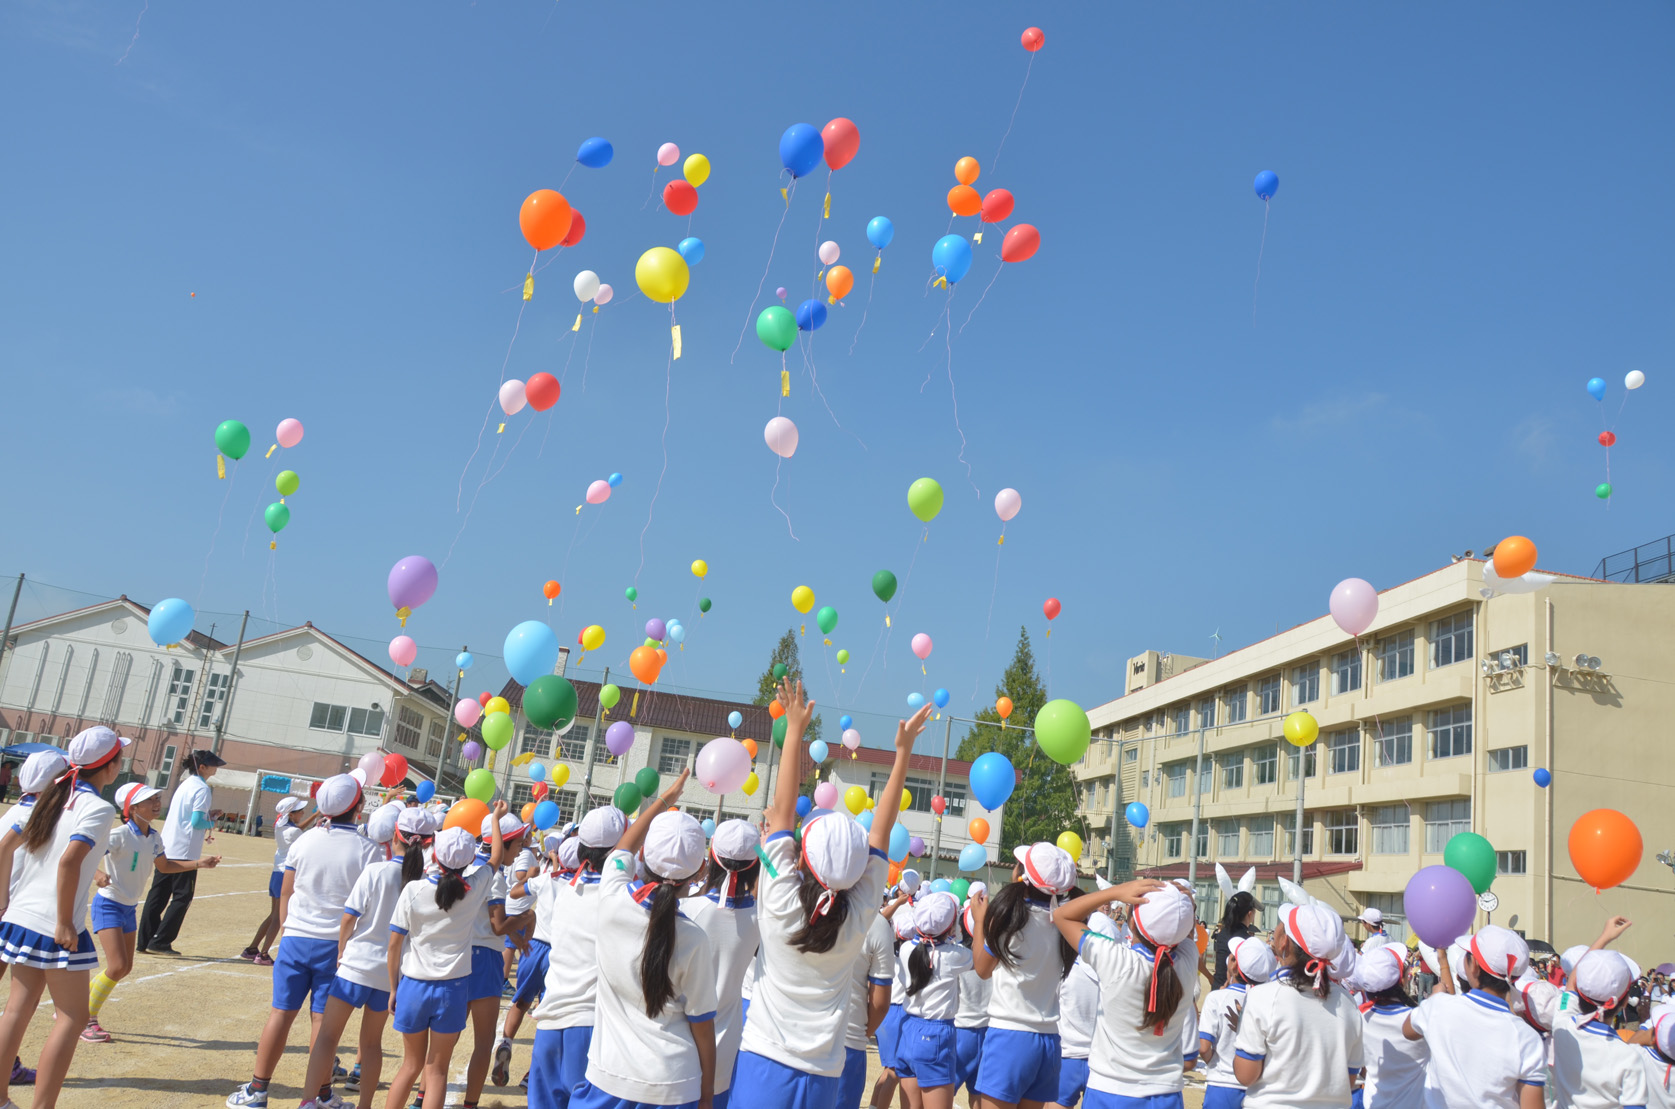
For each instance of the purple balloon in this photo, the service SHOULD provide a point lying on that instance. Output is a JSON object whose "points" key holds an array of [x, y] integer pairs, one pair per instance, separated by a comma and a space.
{"points": [[472, 751], [1439, 903], [412, 581], [916, 847], [780, 292], [655, 629], [619, 737], [1354, 605]]}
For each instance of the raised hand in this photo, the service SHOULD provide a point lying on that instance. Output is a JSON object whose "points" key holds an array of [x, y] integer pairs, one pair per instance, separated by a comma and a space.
{"points": [[910, 729], [799, 710]]}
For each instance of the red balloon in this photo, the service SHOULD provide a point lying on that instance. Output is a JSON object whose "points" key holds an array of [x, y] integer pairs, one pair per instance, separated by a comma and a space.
{"points": [[1020, 243], [997, 206], [578, 228], [1033, 39], [680, 197], [539, 791], [1607, 438], [395, 769], [1051, 608], [843, 139], [484, 698], [541, 390]]}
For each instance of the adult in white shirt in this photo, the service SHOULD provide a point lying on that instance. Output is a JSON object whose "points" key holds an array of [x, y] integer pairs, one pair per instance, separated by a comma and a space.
{"points": [[726, 911], [288, 824], [184, 829], [1372, 922], [1394, 1077], [1592, 1068], [1250, 962], [869, 1001]]}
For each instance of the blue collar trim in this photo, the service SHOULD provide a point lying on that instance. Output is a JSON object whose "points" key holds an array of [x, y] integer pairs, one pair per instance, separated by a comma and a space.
{"points": [[148, 832], [1596, 1028], [744, 901], [1489, 1000]]}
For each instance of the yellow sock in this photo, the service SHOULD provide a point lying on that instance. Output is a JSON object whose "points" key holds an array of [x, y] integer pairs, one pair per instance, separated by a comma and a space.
{"points": [[97, 991]]}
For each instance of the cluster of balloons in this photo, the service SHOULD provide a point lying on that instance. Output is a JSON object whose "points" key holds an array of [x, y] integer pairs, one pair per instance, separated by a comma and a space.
{"points": [[232, 440], [379, 769], [681, 196], [801, 147], [598, 492], [545, 220], [587, 287], [951, 256]]}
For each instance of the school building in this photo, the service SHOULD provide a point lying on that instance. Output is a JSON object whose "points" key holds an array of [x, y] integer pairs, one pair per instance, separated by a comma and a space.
{"points": [[1432, 723]]}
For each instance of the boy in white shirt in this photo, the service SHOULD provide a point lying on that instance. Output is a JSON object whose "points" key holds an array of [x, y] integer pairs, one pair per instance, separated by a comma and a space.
{"points": [[1657, 1058], [1592, 1068], [726, 911], [1250, 962]]}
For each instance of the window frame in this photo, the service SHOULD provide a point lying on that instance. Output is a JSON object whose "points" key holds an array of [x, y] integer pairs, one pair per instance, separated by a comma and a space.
{"points": [[1457, 631], [1238, 704], [1174, 840], [1395, 655], [1269, 689], [1310, 760], [1438, 831], [1288, 824], [1346, 672], [1256, 835], [1505, 860], [1390, 829], [1222, 834], [1344, 748], [1395, 737], [1232, 770], [670, 762], [1515, 757], [1265, 765], [1174, 776], [1305, 683], [1342, 828], [1458, 732], [1207, 711]]}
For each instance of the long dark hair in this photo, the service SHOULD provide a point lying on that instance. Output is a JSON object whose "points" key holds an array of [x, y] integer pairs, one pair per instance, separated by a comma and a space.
{"points": [[1239, 906], [919, 967], [450, 887], [413, 857], [660, 945], [745, 873], [591, 858], [44, 814], [1163, 993], [1395, 995], [819, 934], [1007, 915], [1297, 958]]}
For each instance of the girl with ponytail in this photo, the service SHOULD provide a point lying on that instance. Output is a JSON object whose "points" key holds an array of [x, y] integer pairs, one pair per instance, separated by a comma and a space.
{"points": [[726, 911], [926, 1059]]}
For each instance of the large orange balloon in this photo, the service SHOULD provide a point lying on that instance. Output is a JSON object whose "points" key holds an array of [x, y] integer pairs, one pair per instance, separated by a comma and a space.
{"points": [[978, 829], [1514, 556], [775, 709], [964, 201], [750, 746], [1003, 705], [965, 170], [839, 280], [1605, 845], [545, 219], [645, 664], [467, 813]]}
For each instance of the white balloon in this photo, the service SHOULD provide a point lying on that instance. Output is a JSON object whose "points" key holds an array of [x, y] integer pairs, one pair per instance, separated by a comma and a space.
{"points": [[781, 436], [1007, 504], [512, 399], [587, 285], [828, 252], [1635, 379], [604, 295]]}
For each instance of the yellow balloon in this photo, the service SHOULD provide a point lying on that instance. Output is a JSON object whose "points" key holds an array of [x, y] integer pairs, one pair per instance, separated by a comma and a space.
{"points": [[662, 275], [497, 704], [906, 800], [700, 568], [1301, 729], [802, 599], [750, 784], [855, 800], [593, 637], [559, 774], [697, 170], [870, 802], [1071, 844]]}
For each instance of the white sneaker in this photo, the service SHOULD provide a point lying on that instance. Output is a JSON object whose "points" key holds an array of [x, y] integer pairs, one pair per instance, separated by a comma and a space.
{"points": [[245, 1098]]}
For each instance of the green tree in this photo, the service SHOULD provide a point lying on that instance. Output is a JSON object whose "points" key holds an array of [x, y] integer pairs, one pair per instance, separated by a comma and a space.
{"points": [[1044, 803], [785, 651]]}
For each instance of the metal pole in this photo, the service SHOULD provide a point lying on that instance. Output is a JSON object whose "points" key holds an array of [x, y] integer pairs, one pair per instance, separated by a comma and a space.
{"points": [[250, 813], [586, 801], [442, 759], [1197, 808], [1116, 804], [768, 787], [5, 636], [941, 788], [1547, 855], [232, 680], [1297, 828]]}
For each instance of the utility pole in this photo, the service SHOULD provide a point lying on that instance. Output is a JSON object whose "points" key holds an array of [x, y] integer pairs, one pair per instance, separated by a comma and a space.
{"points": [[442, 759], [232, 678], [586, 801], [1297, 828], [941, 791], [5, 636]]}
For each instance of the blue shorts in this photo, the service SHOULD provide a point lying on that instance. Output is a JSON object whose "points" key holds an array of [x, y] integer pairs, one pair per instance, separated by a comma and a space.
{"points": [[423, 1005], [303, 967], [1073, 1081], [889, 1033], [359, 996], [925, 1052], [558, 1065], [761, 1083], [488, 974], [276, 883], [1100, 1100], [852, 1086], [108, 913], [1018, 1066], [1354, 1100], [1233, 1097], [532, 974], [968, 1049], [588, 1096]]}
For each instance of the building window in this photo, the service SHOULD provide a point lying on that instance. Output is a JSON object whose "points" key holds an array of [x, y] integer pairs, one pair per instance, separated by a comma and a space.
{"points": [[1451, 732], [1310, 765], [1345, 748], [1343, 832], [215, 695], [1207, 712], [1395, 742], [522, 794], [1305, 684], [1145, 779], [1289, 823], [1265, 762], [165, 769], [1268, 695], [438, 732], [333, 718], [537, 741], [1131, 754], [1443, 821], [1395, 914], [326, 718], [1389, 824], [566, 801], [1451, 640], [1176, 772], [672, 755], [180, 695], [1509, 758], [1227, 839], [572, 745], [369, 722], [1270, 907], [1511, 862], [1236, 704], [1346, 671], [1172, 841], [1261, 837], [1183, 719], [1201, 850], [923, 789], [1395, 656], [1233, 771], [409, 726], [1206, 770]]}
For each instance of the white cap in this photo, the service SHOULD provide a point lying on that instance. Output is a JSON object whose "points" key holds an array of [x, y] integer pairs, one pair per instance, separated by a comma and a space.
{"points": [[569, 830], [1663, 1029], [1570, 957], [94, 747], [40, 770], [454, 849], [1254, 958], [1603, 977], [1047, 867], [1372, 917], [1458, 958], [288, 805], [834, 854], [569, 856], [1164, 918], [1377, 940], [603, 827], [1541, 1003], [550, 841], [1500, 952], [1318, 931], [381, 825], [903, 922], [934, 914], [417, 822], [674, 848], [132, 794], [1378, 970], [735, 840], [1346, 962], [911, 880], [338, 795], [510, 826]]}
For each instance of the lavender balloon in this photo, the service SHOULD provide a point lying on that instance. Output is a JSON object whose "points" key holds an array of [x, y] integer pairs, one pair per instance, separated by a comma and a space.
{"points": [[655, 629], [1439, 903], [472, 751], [619, 737], [412, 582], [916, 847]]}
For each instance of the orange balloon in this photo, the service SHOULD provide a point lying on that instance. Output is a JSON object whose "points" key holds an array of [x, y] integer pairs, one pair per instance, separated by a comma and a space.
{"points": [[1003, 705], [1515, 557], [645, 664], [965, 171], [467, 813], [775, 709], [545, 219], [527, 812], [662, 657], [893, 875], [839, 281], [978, 829], [964, 201], [551, 589], [749, 745], [1203, 938], [1605, 845]]}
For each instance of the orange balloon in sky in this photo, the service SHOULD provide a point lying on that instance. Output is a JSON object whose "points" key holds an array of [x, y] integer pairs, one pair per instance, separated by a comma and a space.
{"points": [[964, 201], [839, 280], [965, 170], [545, 219], [775, 709], [1514, 556], [551, 590], [645, 664], [750, 746], [1605, 846], [1003, 705], [978, 829], [467, 813]]}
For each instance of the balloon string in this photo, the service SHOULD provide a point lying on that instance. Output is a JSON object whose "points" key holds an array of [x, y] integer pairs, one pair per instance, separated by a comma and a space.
{"points": [[983, 655], [1255, 289], [509, 454], [779, 461], [459, 492], [953, 395], [813, 376], [587, 359], [927, 343], [764, 279], [245, 549], [979, 303], [871, 281], [668, 382], [549, 430], [565, 372], [1015, 107], [473, 505], [213, 535]]}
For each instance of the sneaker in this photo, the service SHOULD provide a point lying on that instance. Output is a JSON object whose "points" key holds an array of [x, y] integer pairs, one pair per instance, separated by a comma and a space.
{"points": [[262, 959], [333, 1102], [22, 1075], [502, 1072], [246, 1098], [247, 954], [93, 1034], [353, 1082], [523, 1083], [164, 949], [337, 1069]]}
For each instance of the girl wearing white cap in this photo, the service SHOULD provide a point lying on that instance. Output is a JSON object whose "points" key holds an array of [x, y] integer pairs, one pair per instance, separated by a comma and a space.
{"points": [[38, 772], [1078, 1016], [814, 906], [1250, 962], [726, 911], [1019, 949], [288, 824], [1592, 1068], [41, 933], [530, 880], [133, 851], [971, 1023], [1657, 1058], [488, 945], [320, 871], [925, 1057], [430, 958], [898, 917], [1394, 1077], [1299, 1042], [869, 1001], [655, 1042]]}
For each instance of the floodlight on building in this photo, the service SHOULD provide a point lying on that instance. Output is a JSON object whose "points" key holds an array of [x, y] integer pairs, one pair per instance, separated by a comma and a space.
{"points": [[1552, 658], [1581, 661], [1488, 668], [1593, 662], [1506, 660]]}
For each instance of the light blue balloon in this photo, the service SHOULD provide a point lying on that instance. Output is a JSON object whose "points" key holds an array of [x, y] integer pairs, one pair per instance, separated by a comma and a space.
{"points": [[1137, 813], [170, 621], [941, 698], [463, 660], [1596, 388], [952, 257], [973, 856], [845, 722], [614, 480], [915, 701], [692, 249], [735, 719], [708, 826], [992, 779], [899, 840], [676, 633], [880, 231], [818, 751], [426, 791], [865, 819], [531, 651], [537, 772], [595, 153], [1267, 183], [941, 885]]}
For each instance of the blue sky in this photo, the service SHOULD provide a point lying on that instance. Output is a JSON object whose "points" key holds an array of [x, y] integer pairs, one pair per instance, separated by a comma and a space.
{"points": [[1472, 221]]}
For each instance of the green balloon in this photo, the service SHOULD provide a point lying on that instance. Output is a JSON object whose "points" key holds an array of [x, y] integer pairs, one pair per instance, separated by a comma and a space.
{"points": [[609, 695], [627, 798], [497, 730], [650, 642], [631, 593], [884, 585], [1062, 730], [779, 671], [479, 786], [287, 482], [232, 439], [843, 655], [550, 702], [1602, 490], [777, 328], [924, 497], [1473, 856], [277, 516], [779, 732], [703, 604], [827, 619], [646, 781], [960, 888]]}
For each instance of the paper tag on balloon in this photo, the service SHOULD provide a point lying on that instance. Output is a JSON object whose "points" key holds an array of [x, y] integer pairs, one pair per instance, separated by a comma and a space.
{"points": [[977, 238], [827, 212], [577, 326], [831, 300], [273, 544], [595, 309], [635, 706], [271, 450], [785, 196], [674, 335], [1001, 542], [578, 510], [501, 428], [876, 262], [402, 614], [886, 619], [784, 383], [528, 285], [220, 467], [803, 630]]}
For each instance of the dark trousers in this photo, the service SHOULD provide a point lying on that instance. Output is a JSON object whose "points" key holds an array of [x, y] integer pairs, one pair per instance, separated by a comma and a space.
{"points": [[160, 925]]}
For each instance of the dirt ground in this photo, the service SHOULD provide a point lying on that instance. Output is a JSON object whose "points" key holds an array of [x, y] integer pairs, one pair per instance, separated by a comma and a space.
{"points": [[186, 1027]]}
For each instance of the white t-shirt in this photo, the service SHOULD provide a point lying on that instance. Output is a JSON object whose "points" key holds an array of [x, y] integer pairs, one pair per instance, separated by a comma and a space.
{"points": [[875, 966], [438, 941], [18, 815], [1127, 1059], [542, 888], [527, 864], [87, 818], [181, 841], [801, 999], [1395, 1064], [975, 993], [940, 999], [1593, 1069], [371, 902], [1215, 1026], [1026, 999], [325, 862], [283, 836], [482, 929], [1311, 1046], [573, 972], [634, 1056], [1660, 1081], [898, 975], [1480, 1052], [1078, 1010], [130, 857], [733, 937]]}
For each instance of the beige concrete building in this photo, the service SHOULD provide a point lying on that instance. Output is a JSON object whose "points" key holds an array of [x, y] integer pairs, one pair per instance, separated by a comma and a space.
{"points": [[1431, 724]]}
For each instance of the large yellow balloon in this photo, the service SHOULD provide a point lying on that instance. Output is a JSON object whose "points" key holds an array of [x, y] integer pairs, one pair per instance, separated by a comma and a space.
{"points": [[593, 637], [697, 170], [1071, 844], [497, 704], [662, 275], [855, 800], [802, 599], [751, 784], [700, 568], [1301, 729], [559, 774]]}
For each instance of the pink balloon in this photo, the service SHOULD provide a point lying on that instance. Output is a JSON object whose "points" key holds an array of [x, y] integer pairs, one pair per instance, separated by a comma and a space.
{"points": [[668, 154], [289, 433], [472, 751], [1007, 504], [512, 399], [403, 651], [781, 436], [604, 295], [851, 739], [722, 765], [922, 646], [599, 492], [372, 765], [825, 796], [468, 712], [1354, 605], [829, 252], [780, 292]]}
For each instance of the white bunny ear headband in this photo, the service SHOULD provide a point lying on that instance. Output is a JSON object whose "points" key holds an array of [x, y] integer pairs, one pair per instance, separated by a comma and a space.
{"points": [[1296, 895], [1247, 883]]}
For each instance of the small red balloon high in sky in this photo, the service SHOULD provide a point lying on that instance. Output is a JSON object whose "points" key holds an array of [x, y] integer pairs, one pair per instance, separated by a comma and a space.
{"points": [[1033, 39], [1051, 608]]}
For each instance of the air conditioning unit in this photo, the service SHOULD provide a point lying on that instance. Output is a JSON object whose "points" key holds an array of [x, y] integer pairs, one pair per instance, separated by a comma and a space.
{"points": [[154, 779]]}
